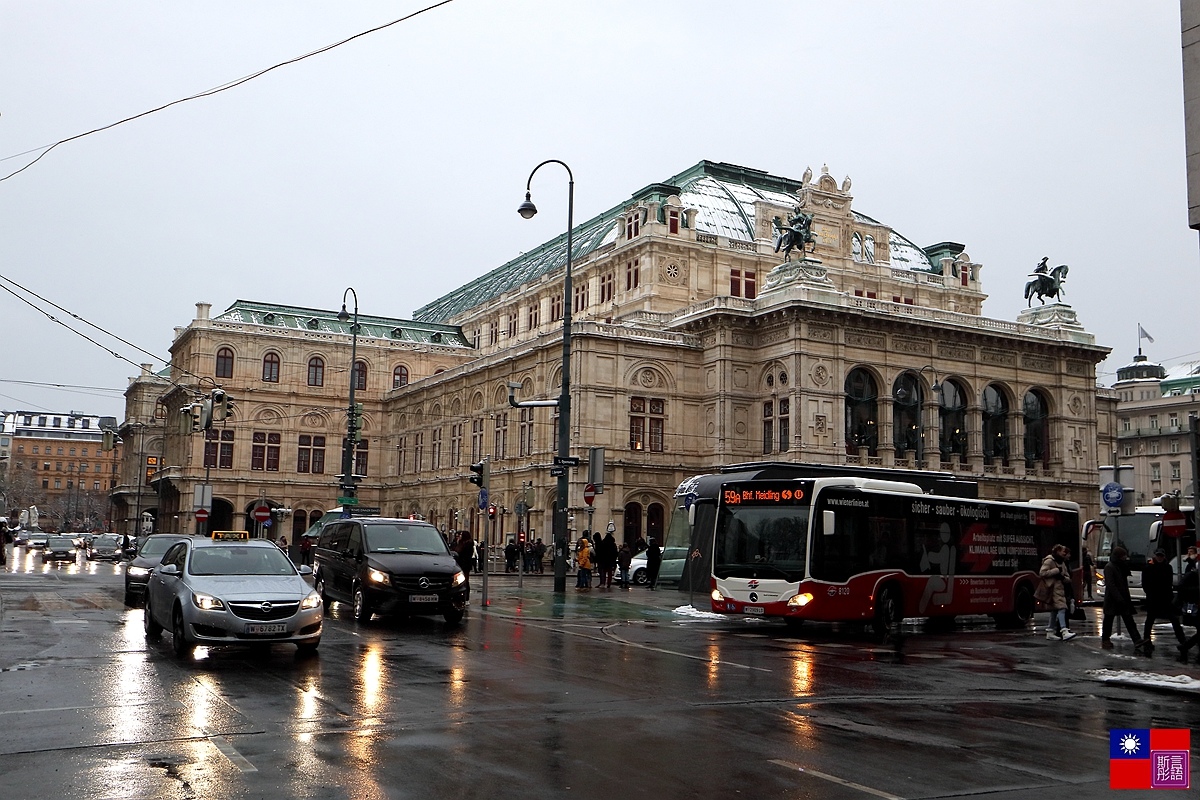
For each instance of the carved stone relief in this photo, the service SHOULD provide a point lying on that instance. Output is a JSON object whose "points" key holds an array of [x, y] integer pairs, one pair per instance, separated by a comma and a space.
{"points": [[820, 333], [914, 346], [820, 374], [874, 341], [998, 357]]}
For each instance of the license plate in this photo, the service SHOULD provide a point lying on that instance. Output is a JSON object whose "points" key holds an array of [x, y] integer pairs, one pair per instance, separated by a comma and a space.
{"points": [[265, 628], [422, 598], [754, 610]]}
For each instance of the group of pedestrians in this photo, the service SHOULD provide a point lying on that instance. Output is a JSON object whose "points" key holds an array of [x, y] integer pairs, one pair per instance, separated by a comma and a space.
{"points": [[1164, 601], [529, 554], [603, 557]]}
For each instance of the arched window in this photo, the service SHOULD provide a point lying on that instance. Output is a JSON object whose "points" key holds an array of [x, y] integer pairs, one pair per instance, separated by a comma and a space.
{"points": [[952, 422], [862, 428], [655, 517], [360, 376], [224, 363], [633, 522], [299, 526], [314, 517], [316, 371], [995, 426], [907, 397], [271, 368], [399, 377], [1037, 435]]}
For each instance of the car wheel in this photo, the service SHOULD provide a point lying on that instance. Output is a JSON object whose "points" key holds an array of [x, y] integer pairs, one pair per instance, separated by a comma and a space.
{"points": [[362, 609], [452, 617], [888, 610], [326, 601], [153, 629], [639, 577], [179, 639]]}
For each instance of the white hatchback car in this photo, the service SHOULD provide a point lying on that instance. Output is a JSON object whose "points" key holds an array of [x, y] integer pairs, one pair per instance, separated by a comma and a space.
{"points": [[240, 592], [670, 571]]}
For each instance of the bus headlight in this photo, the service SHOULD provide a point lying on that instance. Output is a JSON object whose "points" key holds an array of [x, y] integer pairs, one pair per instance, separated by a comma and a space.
{"points": [[800, 600], [717, 597]]}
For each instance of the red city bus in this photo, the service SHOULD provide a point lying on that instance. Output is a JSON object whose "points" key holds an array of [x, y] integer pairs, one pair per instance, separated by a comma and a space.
{"points": [[858, 549]]}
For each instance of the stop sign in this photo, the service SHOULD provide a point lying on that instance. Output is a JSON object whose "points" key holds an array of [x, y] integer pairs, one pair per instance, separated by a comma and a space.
{"points": [[201, 515], [261, 513], [589, 493], [1174, 523]]}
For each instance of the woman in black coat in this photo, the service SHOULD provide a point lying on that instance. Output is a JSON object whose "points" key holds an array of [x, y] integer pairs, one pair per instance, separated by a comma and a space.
{"points": [[653, 562], [1117, 602]]}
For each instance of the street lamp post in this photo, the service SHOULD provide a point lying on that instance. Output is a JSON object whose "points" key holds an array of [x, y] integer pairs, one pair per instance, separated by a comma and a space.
{"points": [[348, 445], [527, 210]]}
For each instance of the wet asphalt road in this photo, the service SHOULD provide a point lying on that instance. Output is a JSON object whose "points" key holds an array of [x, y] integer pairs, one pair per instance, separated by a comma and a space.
{"points": [[596, 695]]}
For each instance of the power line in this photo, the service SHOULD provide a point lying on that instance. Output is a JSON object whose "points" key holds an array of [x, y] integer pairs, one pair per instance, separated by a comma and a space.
{"points": [[215, 90]]}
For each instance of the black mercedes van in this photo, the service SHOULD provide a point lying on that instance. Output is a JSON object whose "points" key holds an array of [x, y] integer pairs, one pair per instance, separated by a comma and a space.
{"points": [[389, 566]]}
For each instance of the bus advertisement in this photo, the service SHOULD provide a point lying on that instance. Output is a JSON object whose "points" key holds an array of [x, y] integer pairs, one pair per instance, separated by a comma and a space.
{"points": [[859, 549]]}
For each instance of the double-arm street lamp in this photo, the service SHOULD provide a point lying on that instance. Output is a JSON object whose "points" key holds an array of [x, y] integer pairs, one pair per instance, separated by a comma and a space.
{"points": [[527, 210], [352, 422]]}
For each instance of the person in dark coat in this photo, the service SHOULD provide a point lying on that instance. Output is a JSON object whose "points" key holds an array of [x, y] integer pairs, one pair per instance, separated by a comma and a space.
{"points": [[1089, 569], [1117, 602], [1189, 593], [1157, 581], [653, 562], [624, 559], [464, 552], [606, 558]]}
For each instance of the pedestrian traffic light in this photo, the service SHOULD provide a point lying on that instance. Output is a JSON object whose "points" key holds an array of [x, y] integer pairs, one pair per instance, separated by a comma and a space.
{"points": [[492, 511], [482, 476]]}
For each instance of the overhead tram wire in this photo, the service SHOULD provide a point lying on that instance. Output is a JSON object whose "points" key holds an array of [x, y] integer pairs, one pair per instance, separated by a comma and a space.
{"points": [[215, 90]]}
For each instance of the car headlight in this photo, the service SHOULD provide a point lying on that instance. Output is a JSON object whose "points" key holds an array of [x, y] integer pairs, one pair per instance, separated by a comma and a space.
{"points": [[459, 578], [138, 572], [207, 602], [312, 601], [375, 576], [800, 600]]}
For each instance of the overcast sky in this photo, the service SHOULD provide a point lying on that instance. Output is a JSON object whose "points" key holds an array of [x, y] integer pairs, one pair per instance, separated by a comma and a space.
{"points": [[394, 164]]}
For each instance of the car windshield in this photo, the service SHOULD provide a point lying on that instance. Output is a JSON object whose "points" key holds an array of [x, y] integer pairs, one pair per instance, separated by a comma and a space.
{"points": [[105, 541], [155, 547], [404, 539], [60, 541], [239, 560]]}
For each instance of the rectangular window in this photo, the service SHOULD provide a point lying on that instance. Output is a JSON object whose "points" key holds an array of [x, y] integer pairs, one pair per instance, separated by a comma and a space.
{"points": [[401, 454], [1174, 445], [1128, 450], [1153, 421], [512, 325], [435, 449], [418, 450], [1126, 425], [493, 333], [1175, 473], [525, 433], [535, 315], [273, 442], [456, 437], [304, 453], [1156, 472], [556, 308], [360, 458], [672, 221], [785, 427], [581, 297], [500, 440], [646, 423], [768, 431], [633, 275], [1154, 448], [258, 450], [743, 283], [608, 285]]}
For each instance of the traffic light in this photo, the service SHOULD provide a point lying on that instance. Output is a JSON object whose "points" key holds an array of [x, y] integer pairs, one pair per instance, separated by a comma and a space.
{"points": [[482, 477], [521, 537], [221, 405], [109, 440], [492, 511], [356, 414]]}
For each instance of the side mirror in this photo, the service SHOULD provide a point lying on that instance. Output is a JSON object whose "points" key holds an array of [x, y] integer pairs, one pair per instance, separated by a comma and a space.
{"points": [[169, 569], [304, 569]]}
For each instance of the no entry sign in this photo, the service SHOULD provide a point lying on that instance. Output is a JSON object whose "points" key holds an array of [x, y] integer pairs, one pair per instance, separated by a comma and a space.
{"points": [[261, 513], [201, 515], [589, 494]]}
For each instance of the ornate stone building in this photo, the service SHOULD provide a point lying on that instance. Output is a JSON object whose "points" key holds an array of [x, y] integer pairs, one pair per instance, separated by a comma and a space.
{"points": [[693, 347]]}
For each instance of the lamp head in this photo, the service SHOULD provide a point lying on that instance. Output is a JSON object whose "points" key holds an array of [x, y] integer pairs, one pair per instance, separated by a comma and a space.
{"points": [[527, 209], [343, 315]]}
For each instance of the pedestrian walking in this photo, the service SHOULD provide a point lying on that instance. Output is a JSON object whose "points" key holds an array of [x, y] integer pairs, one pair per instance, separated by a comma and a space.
{"points": [[583, 579], [653, 563], [1190, 561], [1188, 603], [306, 550], [1117, 602], [539, 554], [624, 559], [606, 559], [464, 553], [1089, 571], [1054, 590], [1157, 582]]}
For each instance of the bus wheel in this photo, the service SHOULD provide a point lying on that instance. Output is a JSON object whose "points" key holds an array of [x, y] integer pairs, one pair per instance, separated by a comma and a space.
{"points": [[888, 610], [1023, 608]]}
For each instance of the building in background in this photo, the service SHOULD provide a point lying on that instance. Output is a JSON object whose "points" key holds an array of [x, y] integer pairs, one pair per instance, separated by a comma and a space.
{"points": [[695, 345], [58, 464]]}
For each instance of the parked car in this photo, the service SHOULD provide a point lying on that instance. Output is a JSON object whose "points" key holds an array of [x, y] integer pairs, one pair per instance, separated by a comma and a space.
{"points": [[149, 553], [59, 548], [240, 592], [106, 546], [389, 566], [670, 571]]}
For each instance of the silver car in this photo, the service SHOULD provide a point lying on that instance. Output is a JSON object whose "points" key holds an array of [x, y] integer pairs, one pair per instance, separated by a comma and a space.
{"points": [[241, 592]]}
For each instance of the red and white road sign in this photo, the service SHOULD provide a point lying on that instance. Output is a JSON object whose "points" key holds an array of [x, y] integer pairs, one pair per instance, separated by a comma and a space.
{"points": [[261, 513], [201, 515], [589, 493], [1174, 523]]}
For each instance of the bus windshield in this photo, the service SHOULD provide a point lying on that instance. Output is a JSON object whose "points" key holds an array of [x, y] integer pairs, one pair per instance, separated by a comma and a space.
{"points": [[761, 542]]}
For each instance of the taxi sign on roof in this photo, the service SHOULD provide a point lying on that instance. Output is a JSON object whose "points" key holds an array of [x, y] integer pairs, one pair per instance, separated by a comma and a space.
{"points": [[235, 536]]}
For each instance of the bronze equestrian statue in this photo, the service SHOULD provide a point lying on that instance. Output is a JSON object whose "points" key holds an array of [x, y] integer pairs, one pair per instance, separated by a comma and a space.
{"points": [[797, 233], [1046, 282]]}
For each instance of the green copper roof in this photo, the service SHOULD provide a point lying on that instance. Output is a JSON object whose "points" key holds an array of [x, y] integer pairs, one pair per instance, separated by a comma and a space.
{"points": [[723, 196], [298, 318]]}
